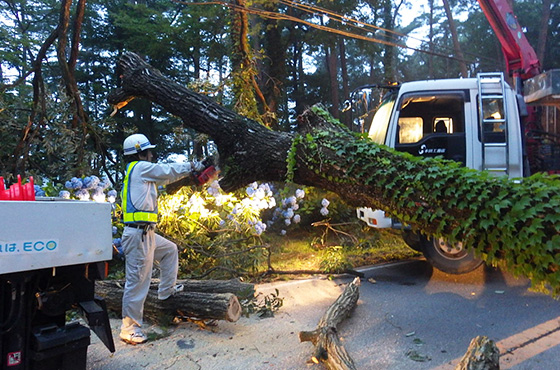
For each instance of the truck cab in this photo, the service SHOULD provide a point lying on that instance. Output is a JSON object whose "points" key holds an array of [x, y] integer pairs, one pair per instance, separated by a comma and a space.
{"points": [[474, 121]]}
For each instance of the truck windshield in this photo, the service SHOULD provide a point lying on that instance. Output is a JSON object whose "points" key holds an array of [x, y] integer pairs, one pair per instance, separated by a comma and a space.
{"points": [[380, 121]]}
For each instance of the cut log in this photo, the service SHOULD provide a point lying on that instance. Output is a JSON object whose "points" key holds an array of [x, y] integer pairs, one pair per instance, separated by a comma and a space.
{"points": [[216, 306], [482, 354], [328, 348], [213, 299]]}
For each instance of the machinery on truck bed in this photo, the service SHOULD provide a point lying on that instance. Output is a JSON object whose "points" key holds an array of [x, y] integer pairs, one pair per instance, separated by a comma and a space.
{"points": [[51, 252], [479, 122]]}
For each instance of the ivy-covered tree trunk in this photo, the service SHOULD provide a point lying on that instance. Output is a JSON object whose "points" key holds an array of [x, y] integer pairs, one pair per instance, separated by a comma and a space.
{"points": [[517, 223]]}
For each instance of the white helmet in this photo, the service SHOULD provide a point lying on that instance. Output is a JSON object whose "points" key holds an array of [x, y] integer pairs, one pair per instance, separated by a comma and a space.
{"points": [[136, 143]]}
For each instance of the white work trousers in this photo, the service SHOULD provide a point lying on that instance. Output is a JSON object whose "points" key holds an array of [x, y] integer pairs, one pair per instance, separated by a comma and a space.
{"points": [[140, 253]]}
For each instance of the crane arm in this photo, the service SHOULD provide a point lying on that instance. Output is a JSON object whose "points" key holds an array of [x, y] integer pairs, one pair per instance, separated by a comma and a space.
{"points": [[521, 58]]}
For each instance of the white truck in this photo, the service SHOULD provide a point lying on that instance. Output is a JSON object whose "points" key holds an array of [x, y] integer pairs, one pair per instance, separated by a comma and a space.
{"points": [[479, 122], [474, 121]]}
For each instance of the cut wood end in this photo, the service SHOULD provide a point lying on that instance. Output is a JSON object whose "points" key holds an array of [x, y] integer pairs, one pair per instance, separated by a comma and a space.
{"points": [[234, 310]]}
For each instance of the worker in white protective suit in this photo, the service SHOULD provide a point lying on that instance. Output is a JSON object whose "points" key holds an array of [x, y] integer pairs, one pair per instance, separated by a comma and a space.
{"points": [[141, 245]]}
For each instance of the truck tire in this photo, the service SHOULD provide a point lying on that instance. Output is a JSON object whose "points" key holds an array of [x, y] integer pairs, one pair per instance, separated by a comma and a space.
{"points": [[412, 239], [449, 258]]}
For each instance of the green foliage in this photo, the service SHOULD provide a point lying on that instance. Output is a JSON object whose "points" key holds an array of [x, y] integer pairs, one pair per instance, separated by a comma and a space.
{"points": [[333, 260], [514, 223], [263, 305], [216, 233]]}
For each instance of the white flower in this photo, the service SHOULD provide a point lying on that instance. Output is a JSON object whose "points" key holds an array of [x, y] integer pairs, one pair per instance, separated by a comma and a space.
{"points": [[283, 232], [271, 203], [297, 219], [300, 194], [254, 185], [263, 204], [288, 222], [265, 187], [250, 191], [295, 207], [258, 230], [292, 200], [324, 211], [325, 203], [99, 197], [289, 213], [259, 193]]}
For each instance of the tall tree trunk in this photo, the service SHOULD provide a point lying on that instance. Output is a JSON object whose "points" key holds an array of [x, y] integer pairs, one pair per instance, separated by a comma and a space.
{"points": [[245, 87], [456, 44], [431, 38], [347, 116], [543, 29], [332, 68], [389, 54], [273, 76]]}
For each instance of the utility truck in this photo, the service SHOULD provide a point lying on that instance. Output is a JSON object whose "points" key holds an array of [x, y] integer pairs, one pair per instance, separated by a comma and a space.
{"points": [[51, 252], [479, 122]]}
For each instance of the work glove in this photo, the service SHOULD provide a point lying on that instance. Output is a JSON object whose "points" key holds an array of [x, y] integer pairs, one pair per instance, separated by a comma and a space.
{"points": [[208, 173], [202, 172]]}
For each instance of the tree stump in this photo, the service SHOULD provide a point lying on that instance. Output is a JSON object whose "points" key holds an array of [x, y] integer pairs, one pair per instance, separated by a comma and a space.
{"points": [[212, 299], [482, 354], [328, 348]]}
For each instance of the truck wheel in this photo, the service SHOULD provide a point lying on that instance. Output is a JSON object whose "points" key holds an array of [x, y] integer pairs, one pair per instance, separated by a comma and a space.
{"points": [[412, 239], [448, 257]]}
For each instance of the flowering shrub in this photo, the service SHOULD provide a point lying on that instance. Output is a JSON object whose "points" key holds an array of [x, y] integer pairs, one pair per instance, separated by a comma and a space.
{"points": [[89, 187], [219, 231], [215, 231]]}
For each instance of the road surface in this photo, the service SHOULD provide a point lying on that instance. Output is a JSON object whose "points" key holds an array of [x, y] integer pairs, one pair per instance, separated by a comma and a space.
{"points": [[409, 316]]}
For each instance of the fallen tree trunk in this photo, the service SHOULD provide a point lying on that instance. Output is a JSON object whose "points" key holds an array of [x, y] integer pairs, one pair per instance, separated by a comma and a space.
{"points": [[328, 348], [482, 354], [213, 299], [504, 221]]}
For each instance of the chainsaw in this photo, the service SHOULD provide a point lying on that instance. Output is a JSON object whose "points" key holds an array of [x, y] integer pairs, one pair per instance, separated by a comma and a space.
{"points": [[197, 178]]}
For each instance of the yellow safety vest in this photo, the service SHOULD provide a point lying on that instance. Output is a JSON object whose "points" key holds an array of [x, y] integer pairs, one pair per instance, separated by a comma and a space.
{"points": [[130, 213]]}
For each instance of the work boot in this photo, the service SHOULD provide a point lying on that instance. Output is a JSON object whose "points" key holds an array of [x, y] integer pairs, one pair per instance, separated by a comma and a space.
{"points": [[134, 337], [176, 289]]}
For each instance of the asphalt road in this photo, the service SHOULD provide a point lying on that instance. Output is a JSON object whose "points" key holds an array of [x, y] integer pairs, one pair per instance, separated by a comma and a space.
{"points": [[409, 316], [412, 309]]}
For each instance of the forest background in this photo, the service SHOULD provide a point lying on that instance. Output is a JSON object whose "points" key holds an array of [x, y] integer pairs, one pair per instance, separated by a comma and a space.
{"points": [[267, 60]]}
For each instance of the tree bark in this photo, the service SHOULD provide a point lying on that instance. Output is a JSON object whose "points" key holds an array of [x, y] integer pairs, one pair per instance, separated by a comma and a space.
{"points": [[543, 30], [482, 354], [212, 299], [328, 348], [456, 44]]}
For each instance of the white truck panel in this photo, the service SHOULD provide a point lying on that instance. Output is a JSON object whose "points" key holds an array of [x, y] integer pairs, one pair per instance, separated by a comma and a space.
{"points": [[51, 233], [374, 218]]}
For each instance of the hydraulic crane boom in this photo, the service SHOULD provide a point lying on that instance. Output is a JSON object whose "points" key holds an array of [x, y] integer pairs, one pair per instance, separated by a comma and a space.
{"points": [[521, 58]]}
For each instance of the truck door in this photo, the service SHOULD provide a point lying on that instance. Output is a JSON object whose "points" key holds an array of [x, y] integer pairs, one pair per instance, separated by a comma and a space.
{"points": [[499, 132], [432, 124]]}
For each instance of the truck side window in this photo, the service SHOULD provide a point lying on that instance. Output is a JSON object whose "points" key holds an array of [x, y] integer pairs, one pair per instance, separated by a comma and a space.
{"points": [[410, 130], [432, 124], [493, 125]]}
